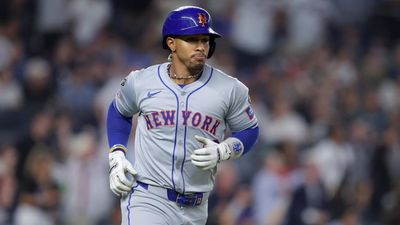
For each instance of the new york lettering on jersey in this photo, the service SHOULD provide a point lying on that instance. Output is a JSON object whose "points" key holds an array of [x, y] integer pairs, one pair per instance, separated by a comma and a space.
{"points": [[188, 118]]}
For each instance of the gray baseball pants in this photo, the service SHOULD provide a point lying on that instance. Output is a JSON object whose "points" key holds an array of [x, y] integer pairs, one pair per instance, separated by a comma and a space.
{"points": [[151, 206]]}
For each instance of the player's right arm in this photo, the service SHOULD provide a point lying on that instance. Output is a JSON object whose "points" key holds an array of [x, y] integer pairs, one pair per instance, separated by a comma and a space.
{"points": [[119, 123]]}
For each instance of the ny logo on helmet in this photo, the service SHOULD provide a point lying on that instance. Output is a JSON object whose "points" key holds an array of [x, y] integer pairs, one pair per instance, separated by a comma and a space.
{"points": [[202, 19]]}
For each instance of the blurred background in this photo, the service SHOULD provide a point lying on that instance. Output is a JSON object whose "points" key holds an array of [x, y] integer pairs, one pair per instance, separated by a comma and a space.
{"points": [[324, 78]]}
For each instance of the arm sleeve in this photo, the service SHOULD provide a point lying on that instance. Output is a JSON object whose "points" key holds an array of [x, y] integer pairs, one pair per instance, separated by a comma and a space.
{"points": [[248, 137], [118, 127]]}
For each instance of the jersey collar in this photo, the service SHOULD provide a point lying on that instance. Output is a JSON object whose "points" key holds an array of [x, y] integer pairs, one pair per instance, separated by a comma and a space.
{"points": [[188, 87]]}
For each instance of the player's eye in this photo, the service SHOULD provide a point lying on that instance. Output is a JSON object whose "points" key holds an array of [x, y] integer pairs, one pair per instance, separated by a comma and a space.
{"points": [[194, 39], [190, 39], [205, 40]]}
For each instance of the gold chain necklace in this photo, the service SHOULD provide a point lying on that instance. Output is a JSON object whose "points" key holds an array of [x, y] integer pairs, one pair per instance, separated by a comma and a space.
{"points": [[174, 76]]}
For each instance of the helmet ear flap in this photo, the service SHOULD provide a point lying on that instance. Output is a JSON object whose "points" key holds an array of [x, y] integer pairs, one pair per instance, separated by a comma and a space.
{"points": [[212, 44]]}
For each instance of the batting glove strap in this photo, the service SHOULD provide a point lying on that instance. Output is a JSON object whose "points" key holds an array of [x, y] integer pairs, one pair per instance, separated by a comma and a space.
{"points": [[232, 148]]}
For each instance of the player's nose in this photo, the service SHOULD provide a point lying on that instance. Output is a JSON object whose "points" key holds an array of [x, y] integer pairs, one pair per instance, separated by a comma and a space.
{"points": [[202, 48]]}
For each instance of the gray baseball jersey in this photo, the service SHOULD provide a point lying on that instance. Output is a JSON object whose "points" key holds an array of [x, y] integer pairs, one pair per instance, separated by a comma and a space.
{"points": [[170, 116]]}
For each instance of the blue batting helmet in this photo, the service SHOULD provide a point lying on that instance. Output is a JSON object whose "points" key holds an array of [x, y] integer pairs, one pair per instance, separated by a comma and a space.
{"points": [[189, 20]]}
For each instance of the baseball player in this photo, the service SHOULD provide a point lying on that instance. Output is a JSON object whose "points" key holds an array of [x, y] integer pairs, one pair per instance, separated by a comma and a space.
{"points": [[184, 107]]}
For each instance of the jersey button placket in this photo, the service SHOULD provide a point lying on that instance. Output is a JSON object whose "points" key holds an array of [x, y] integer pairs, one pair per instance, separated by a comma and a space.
{"points": [[180, 135], [180, 129], [180, 143]]}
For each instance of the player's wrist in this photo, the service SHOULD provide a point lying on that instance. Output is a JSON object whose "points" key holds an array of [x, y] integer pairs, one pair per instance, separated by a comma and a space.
{"points": [[115, 157], [231, 148], [119, 148]]}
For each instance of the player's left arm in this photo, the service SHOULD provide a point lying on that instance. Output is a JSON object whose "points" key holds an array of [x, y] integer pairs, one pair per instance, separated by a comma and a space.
{"points": [[233, 147], [247, 137], [242, 121]]}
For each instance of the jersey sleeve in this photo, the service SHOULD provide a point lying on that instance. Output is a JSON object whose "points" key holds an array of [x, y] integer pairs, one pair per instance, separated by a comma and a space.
{"points": [[240, 113], [126, 97]]}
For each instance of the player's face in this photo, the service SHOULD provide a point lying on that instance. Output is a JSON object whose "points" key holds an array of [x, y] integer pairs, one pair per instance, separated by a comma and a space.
{"points": [[192, 50]]}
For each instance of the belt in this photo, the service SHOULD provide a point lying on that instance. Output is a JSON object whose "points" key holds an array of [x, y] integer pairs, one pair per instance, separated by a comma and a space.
{"points": [[192, 199]]}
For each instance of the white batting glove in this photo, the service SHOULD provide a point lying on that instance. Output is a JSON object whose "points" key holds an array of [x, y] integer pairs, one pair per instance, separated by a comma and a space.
{"points": [[212, 153], [120, 169]]}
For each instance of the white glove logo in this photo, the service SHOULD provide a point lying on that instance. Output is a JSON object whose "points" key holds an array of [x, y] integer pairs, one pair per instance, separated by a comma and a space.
{"points": [[237, 147]]}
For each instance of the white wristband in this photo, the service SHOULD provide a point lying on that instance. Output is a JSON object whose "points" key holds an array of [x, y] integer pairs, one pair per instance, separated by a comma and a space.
{"points": [[235, 147]]}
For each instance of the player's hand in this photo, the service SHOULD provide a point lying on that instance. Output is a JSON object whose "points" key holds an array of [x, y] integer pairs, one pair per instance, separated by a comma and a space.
{"points": [[212, 153], [120, 170]]}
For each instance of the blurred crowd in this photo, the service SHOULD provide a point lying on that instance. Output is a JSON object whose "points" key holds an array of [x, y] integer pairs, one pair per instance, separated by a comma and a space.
{"points": [[324, 79]]}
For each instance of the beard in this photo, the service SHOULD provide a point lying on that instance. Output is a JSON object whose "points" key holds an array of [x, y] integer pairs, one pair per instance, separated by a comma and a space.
{"points": [[193, 66], [196, 68]]}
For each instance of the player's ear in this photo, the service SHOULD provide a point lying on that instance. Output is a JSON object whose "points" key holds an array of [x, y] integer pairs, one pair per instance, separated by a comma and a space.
{"points": [[171, 43]]}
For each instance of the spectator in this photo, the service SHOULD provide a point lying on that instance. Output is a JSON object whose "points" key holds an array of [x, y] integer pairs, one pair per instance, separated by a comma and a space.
{"points": [[39, 87], [253, 30], [88, 18], [309, 204], [307, 24], [85, 198], [225, 187], [333, 157], [11, 102], [238, 211], [272, 189], [40, 196], [8, 182], [285, 123], [76, 93]]}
